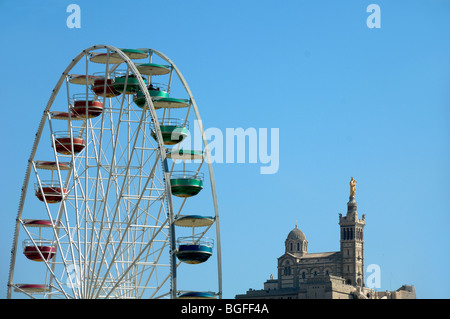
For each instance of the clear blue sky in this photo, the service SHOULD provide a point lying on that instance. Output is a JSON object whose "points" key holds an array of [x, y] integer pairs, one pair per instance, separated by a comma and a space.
{"points": [[348, 101]]}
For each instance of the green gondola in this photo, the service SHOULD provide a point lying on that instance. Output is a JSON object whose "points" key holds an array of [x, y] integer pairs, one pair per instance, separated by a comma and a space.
{"points": [[172, 134], [127, 85], [155, 94], [186, 186]]}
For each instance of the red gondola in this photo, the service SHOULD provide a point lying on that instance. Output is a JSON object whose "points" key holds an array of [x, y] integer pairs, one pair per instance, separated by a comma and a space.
{"points": [[100, 89], [43, 250], [94, 108], [32, 288], [64, 145], [51, 194]]}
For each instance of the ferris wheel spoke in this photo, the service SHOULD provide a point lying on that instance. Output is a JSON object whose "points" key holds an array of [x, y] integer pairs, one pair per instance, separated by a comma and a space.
{"points": [[94, 233], [136, 259], [111, 179], [130, 220], [117, 205]]}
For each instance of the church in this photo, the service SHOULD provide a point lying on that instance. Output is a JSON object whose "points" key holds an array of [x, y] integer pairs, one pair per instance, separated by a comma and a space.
{"points": [[328, 275]]}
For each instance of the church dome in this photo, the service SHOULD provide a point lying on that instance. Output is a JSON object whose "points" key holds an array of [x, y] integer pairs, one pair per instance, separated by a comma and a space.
{"points": [[296, 242], [296, 234]]}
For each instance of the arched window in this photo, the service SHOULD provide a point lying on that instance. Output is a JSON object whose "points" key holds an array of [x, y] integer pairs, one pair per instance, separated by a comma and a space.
{"points": [[287, 271], [298, 246], [287, 268]]}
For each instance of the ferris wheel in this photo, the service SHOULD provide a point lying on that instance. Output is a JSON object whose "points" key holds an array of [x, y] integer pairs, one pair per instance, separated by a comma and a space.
{"points": [[113, 202]]}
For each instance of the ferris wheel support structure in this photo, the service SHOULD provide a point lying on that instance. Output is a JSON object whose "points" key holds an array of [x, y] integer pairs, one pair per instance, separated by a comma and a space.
{"points": [[161, 158]]}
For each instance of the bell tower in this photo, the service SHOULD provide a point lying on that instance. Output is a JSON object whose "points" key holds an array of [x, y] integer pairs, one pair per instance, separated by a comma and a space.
{"points": [[352, 242]]}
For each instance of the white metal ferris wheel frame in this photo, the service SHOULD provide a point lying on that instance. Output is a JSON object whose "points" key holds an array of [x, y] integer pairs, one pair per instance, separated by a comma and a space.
{"points": [[162, 158]]}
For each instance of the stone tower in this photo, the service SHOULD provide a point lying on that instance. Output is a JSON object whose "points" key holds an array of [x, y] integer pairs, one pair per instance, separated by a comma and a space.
{"points": [[352, 242]]}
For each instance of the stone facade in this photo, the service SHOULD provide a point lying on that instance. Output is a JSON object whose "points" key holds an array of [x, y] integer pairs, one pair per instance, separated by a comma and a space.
{"points": [[328, 275]]}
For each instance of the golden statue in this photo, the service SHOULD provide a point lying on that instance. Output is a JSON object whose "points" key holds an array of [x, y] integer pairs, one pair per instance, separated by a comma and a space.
{"points": [[352, 188]]}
